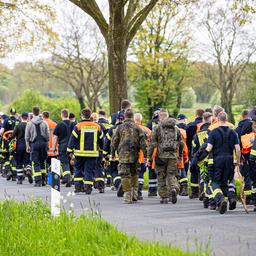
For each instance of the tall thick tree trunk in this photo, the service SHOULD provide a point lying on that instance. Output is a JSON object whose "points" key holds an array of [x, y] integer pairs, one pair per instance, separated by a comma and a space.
{"points": [[226, 103], [117, 58], [81, 102], [178, 100]]}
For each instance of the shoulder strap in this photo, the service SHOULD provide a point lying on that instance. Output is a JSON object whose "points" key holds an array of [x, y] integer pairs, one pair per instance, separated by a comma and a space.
{"points": [[38, 130]]}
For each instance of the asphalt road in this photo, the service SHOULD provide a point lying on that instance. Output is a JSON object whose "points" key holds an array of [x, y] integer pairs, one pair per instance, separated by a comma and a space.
{"points": [[185, 224]]}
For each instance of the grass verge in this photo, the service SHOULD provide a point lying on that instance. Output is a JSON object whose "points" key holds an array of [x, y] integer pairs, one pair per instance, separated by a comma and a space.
{"points": [[28, 229]]}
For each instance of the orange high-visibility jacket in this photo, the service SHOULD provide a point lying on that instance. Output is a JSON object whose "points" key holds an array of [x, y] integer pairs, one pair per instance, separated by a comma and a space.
{"points": [[216, 124], [185, 150], [51, 124], [147, 131], [247, 142]]}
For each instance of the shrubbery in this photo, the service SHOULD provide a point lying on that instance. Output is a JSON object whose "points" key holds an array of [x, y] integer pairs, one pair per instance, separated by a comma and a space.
{"points": [[29, 98]]}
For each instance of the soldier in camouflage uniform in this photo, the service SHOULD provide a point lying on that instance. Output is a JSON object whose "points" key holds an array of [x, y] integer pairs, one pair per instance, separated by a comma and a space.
{"points": [[127, 141], [168, 140]]}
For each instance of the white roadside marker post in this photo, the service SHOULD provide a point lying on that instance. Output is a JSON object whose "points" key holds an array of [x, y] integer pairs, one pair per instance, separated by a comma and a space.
{"points": [[55, 187]]}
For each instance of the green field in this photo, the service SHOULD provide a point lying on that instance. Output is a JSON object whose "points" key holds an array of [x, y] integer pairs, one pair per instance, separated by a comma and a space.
{"points": [[28, 229]]}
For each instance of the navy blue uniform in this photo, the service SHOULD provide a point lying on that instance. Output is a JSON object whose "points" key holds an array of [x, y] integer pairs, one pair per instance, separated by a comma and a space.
{"points": [[191, 131], [221, 176], [242, 127]]}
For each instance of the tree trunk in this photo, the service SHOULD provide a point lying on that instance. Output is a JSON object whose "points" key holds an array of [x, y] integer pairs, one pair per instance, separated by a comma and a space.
{"points": [[178, 101], [81, 102], [226, 103], [117, 58]]}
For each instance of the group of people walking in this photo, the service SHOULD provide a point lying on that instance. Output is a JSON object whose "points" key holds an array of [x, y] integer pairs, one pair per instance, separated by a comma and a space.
{"points": [[198, 159]]}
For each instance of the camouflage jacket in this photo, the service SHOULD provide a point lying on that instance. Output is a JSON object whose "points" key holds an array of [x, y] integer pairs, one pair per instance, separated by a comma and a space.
{"points": [[156, 137], [127, 141]]}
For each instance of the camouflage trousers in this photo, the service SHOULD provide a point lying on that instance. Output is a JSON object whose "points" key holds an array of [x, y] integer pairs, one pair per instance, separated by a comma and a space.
{"points": [[167, 172], [129, 180]]}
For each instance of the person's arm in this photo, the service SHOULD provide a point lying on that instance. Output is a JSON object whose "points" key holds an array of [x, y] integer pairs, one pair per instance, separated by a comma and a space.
{"points": [[114, 143], [180, 142], [27, 137], [72, 140], [143, 144], [15, 132], [152, 144]]}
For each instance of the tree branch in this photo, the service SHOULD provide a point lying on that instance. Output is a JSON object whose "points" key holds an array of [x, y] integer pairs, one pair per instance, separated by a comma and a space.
{"points": [[92, 9], [138, 19]]}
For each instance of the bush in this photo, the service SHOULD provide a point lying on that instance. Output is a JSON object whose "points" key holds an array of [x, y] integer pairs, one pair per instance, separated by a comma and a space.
{"points": [[29, 229], [29, 99], [188, 98]]}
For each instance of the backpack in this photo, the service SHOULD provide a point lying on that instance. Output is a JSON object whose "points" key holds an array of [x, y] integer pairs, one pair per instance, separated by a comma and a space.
{"points": [[168, 138]]}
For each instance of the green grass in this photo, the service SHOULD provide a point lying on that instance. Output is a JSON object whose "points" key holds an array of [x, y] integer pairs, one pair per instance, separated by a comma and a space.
{"points": [[28, 229]]}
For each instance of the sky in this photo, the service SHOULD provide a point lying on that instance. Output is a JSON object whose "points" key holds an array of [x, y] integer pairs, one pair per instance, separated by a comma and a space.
{"points": [[64, 8]]}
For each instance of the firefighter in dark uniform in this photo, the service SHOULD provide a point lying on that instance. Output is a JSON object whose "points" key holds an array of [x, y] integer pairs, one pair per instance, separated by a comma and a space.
{"points": [[62, 134], [222, 142], [113, 162], [85, 143], [192, 129], [22, 156], [198, 141], [6, 132]]}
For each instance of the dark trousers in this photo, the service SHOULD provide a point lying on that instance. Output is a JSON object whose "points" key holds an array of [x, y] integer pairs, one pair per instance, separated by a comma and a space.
{"points": [[84, 171], [113, 171], [194, 179], [221, 177], [152, 180], [22, 157], [38, 158], [64, 160]]}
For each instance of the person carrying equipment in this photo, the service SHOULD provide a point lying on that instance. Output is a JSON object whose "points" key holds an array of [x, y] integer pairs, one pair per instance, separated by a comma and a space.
{"points": [[127, 141], [22, 156], [37, 138], [168, 140]]}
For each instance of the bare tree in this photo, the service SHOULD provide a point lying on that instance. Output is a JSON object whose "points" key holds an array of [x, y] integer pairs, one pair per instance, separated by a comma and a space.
{"points": [[77, 64], [231, 49]]}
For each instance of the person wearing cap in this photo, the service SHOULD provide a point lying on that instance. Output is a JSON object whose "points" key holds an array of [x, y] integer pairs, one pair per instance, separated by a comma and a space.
{"points": [[222, 142], [182, 121], [8, 126], [192, 128], [154, 121], [113, 160], [22, 156], [199, 141]]}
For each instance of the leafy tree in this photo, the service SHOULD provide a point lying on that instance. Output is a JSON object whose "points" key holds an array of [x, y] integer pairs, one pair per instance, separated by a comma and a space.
{"points": [[28, 24], [160, 48], [125, 19]]}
